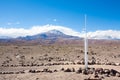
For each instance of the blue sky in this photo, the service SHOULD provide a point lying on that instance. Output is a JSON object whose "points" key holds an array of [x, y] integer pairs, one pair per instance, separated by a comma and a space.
{"points": [[101, 14]]}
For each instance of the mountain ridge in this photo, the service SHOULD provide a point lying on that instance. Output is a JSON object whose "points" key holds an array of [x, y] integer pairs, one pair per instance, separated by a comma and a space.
{"points": [[108, 34], [50, 35], [54, 37]]}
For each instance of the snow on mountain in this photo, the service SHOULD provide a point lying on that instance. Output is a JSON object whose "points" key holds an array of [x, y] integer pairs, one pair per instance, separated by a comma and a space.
{"points": [[17, 32], [57, 32], [50, 35]]}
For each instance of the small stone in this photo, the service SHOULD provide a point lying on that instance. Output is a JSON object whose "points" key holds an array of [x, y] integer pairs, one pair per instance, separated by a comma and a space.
{"points": [[118, 74], [96, 76], [79, 70], [85, 72], [37, 78]]}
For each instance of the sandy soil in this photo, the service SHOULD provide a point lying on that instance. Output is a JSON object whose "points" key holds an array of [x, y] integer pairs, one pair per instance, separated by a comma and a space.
{"points": [[12, 57]]}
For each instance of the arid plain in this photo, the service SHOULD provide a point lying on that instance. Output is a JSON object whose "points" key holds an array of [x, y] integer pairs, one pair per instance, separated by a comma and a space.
{"points": [[59, 61]]}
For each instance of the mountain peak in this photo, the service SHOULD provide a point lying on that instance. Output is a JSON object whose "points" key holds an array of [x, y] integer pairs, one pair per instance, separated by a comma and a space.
{"points": [[49, 35], [54, 31]]}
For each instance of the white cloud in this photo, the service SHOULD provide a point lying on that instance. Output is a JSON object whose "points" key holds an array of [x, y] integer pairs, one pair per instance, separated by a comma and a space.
{"points": [[104, 34], [16, 32], [11, 23]]}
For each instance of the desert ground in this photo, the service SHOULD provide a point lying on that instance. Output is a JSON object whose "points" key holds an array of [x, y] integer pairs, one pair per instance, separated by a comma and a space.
{"points": [[60, 61]]}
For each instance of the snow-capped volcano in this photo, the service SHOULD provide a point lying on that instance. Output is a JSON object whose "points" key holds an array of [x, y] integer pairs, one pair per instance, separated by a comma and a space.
{"points": [[17, 32], [50, 35], [21, 32]]}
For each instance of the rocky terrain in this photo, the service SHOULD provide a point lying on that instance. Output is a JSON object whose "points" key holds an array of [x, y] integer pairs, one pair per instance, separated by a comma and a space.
{"points": [[60, 61]]}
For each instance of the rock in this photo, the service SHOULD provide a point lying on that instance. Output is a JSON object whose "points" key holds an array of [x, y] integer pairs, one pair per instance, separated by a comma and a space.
{"points": [[96, 75], [45, 70], [68, 70], [62, 69], [101, 77], [93, 61], [73, 69], [99, 70], [117, 64], [106, 75], [91, 70], [106, 71], [79, 63], [118, 74], [85, 71], [37, 78], [55, 70], [98, 63], [113, 72], [82, 61], [0, 72], [79, 70]]}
